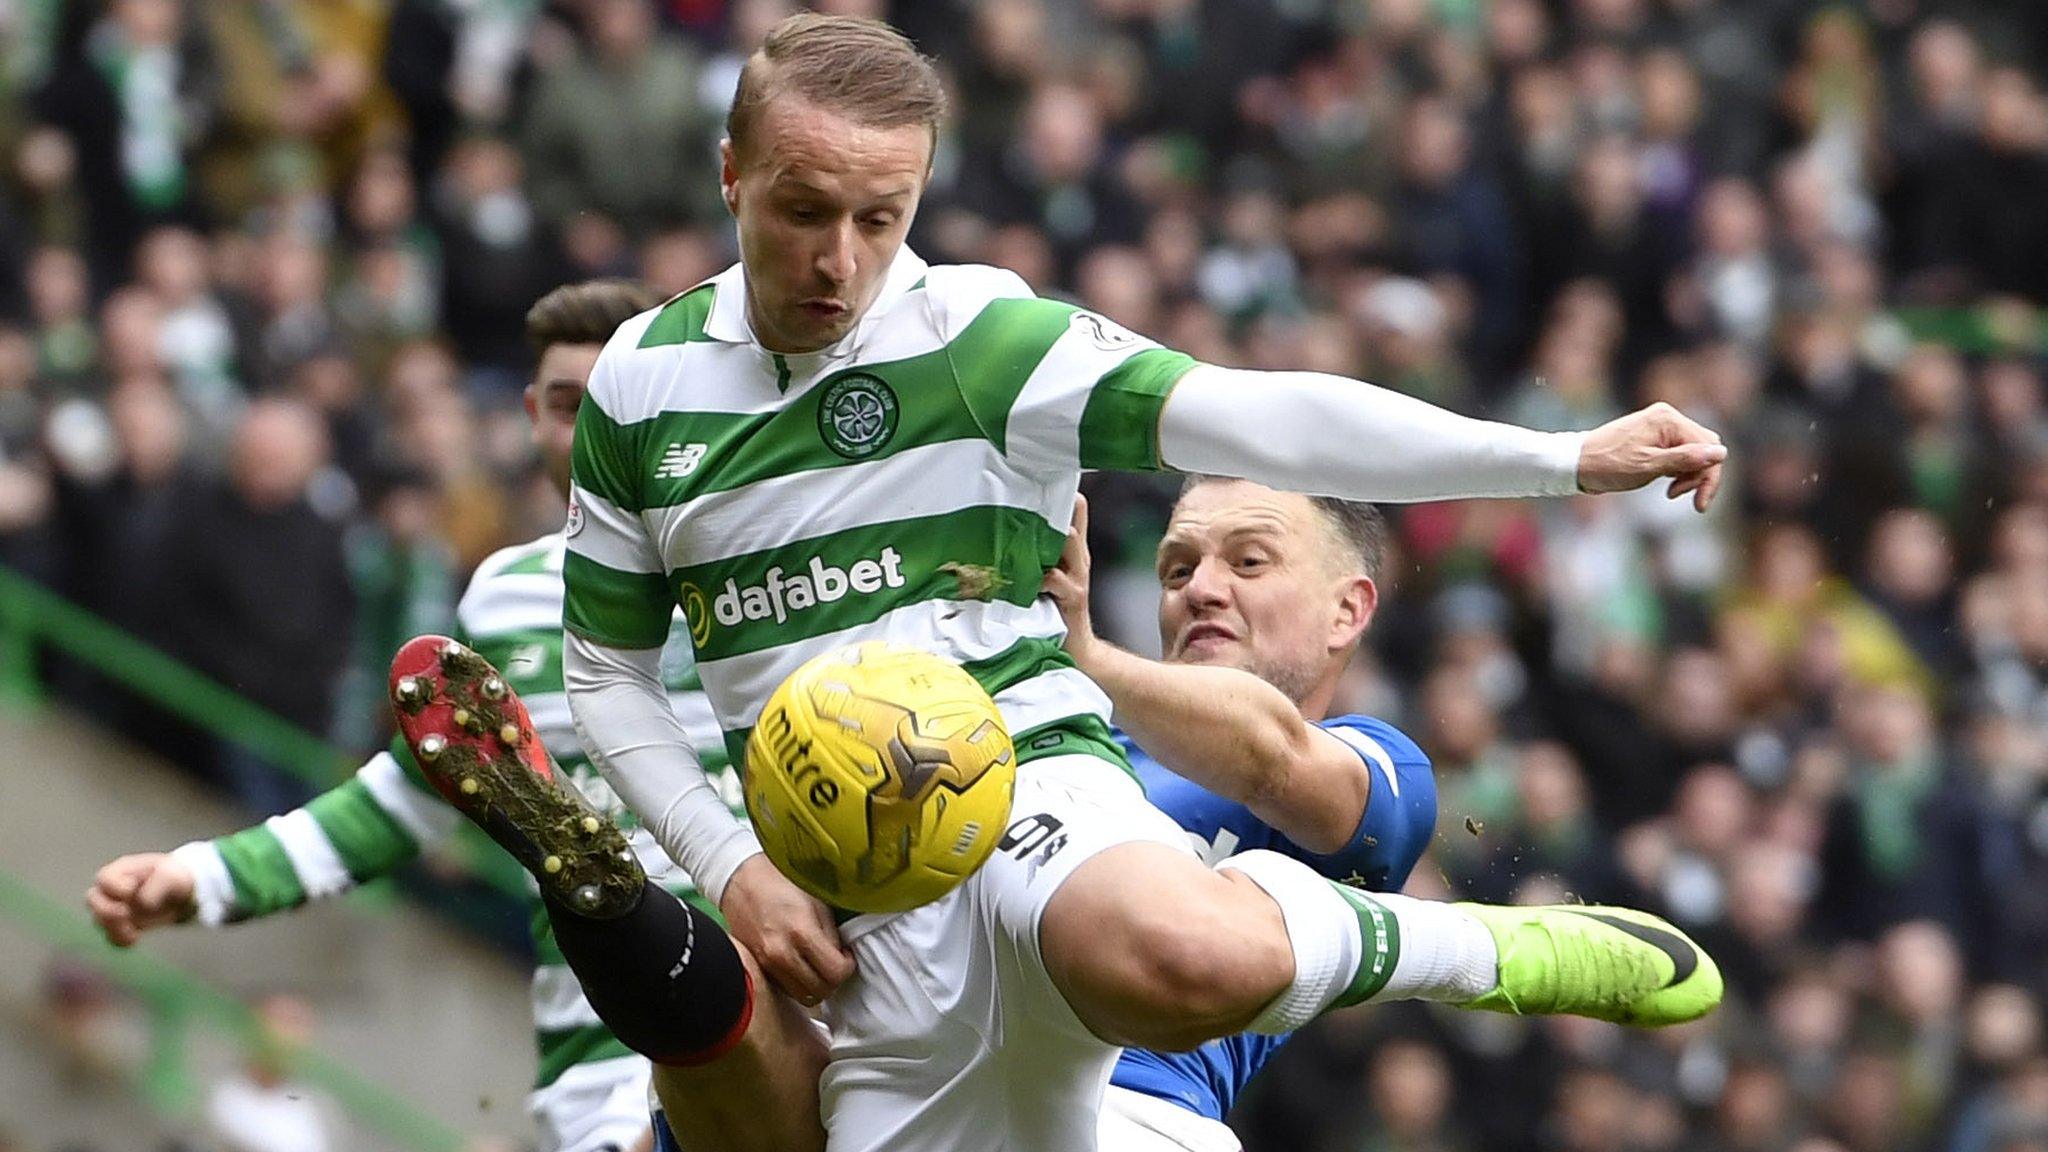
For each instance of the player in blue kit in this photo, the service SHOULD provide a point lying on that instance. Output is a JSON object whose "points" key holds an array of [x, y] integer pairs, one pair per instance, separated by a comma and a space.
{"points": [[1264, 596]]}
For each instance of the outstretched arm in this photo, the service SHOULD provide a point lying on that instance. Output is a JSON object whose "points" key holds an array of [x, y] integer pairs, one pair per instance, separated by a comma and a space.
{"points": [[1327, 435], [1222, 728], [1066, 387], [354, 832]]}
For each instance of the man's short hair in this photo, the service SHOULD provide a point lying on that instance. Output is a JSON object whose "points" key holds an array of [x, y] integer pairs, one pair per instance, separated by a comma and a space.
{"points": [[1357, 527], [585, 313], [860, 68]]}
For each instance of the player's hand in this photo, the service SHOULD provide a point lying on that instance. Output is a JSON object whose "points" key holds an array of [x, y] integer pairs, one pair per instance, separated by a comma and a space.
{"points": [[1645, 445], [1067, 584], [136, 893], [790, 934]]}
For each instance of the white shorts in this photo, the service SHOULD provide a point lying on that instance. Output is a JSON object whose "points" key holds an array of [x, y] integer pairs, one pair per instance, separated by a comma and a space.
{"points": [[951, 1036], [1134, 1122], [593, 1106]]}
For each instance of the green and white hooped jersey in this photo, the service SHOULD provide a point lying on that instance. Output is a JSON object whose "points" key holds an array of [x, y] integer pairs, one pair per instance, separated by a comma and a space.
{"points": [[912, 483], [384, 815]]}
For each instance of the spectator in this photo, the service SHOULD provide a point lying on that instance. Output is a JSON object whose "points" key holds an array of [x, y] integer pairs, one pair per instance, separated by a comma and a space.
{"points": [[295, 318], [24, 480], [1810, 1016], [390, 288], [261, 1108], [1408, 1094], [499, 255], [1732, 287], [1551, 831], [1930, 139], [403, 577], [1056, 176], [134, 94], [59, 302], [118, 524], [1911, 576], [258, 587], [197, 341], [1755, 1113], [617, 130], [1905, 840], [1455, 224], [300, 101], [1866, 1110], [2005, 170]]}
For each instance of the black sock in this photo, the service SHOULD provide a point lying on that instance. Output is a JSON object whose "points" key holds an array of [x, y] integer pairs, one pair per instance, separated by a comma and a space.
{"points": [[665, 978]]}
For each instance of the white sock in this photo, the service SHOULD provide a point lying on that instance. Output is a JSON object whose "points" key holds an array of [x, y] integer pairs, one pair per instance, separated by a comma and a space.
{"points": [[1444, 955], [1322, 928], [1345, 940]]}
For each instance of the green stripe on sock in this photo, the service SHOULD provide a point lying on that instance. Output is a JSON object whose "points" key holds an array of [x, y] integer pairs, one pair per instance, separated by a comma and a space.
{"points": [[1381, 935]]}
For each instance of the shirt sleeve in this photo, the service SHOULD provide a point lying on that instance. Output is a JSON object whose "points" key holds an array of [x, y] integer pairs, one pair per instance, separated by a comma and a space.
{"points": [[355, 832], [1400, 808], [622, 714], [1056, 387], [618, 594], [1332, 436]]}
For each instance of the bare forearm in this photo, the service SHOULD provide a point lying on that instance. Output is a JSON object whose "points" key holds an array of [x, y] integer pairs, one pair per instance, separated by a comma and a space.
{"points": [[1222, 728]]}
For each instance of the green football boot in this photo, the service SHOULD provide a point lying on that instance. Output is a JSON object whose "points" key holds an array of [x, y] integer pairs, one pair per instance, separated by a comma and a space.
{"points": [[1612, 964]]}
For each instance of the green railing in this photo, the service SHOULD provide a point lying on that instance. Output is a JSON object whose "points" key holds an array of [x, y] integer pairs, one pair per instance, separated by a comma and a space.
{"points": [[33, 618], [30, 613], [1983, 331], [177, 1001]]}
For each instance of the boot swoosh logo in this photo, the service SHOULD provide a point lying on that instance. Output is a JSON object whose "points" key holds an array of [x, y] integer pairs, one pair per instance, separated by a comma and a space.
{"points": [[1684, 959]]}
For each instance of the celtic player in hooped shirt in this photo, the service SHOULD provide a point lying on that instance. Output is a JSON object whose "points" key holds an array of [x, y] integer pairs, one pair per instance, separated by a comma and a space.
{"points": [[834, 442], [590, 1090]]}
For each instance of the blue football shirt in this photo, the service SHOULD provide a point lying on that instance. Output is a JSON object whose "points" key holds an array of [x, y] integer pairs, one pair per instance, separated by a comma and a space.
{"points": [[1400, 818]]}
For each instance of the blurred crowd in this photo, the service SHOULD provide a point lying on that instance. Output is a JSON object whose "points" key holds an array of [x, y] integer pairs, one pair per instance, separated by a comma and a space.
{"points": [[263, 265]]}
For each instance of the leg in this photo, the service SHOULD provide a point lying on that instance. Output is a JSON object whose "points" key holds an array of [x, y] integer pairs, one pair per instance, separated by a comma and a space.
{"points": [[951, 1037], [738, 1070], [762, 1095], [1169, 961], [1150, 949], [662, 975]]}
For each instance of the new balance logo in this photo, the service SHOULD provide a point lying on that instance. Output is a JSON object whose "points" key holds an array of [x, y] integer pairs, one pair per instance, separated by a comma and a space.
{"points": [[680, 460]]}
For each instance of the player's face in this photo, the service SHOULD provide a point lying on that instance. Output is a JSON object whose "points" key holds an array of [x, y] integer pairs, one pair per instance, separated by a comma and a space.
{"points": [[1246, 581], [823, 204], [552, 401]]}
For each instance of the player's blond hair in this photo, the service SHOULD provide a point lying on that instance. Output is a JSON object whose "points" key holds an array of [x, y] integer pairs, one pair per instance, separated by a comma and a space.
{"points": [[862, 69]]}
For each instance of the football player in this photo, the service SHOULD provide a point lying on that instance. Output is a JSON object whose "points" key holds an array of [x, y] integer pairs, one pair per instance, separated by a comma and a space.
{"points": [[832, 406]]}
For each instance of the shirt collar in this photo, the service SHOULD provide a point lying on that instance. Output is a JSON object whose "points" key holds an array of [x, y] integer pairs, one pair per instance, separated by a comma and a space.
{"points": [[727, 322]]}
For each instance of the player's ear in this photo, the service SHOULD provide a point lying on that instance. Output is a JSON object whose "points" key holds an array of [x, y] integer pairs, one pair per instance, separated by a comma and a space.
{"points": [[729, 176], [530, 400], [1357, 599]]}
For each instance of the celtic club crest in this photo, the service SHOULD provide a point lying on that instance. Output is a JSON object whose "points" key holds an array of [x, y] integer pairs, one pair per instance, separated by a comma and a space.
{"points": [[857, 415]]}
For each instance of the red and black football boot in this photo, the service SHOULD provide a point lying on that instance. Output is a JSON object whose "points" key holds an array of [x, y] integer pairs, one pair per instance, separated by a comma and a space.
{"points": [[476, 745]]}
